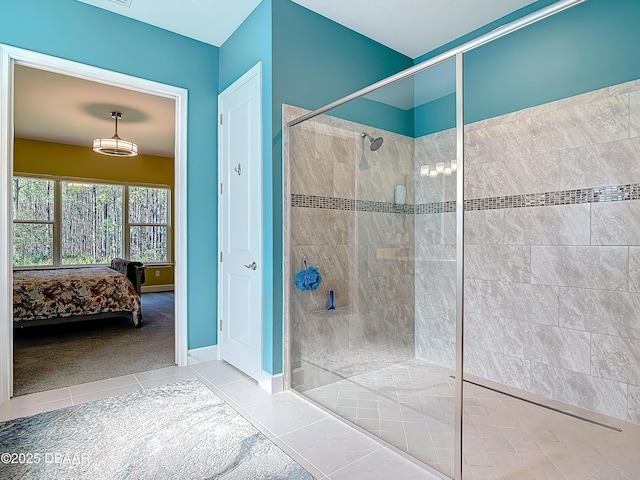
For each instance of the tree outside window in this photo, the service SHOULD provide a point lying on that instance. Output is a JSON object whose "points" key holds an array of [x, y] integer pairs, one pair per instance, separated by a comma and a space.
{"points": [[91, 223], [33, 221], [90, 227], [148, 224]]}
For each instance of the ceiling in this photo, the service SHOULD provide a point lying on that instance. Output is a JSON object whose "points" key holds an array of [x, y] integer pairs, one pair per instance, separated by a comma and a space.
{"points": [[210, 21], [411, 27], [69, 110]]}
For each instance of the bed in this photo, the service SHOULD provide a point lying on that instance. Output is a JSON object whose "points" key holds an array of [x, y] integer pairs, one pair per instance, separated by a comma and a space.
{"points": [[60, 295]]}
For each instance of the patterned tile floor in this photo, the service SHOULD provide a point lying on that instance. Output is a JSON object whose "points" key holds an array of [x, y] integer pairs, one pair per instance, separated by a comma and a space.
{"points": [[326, 447], [410, 405]]}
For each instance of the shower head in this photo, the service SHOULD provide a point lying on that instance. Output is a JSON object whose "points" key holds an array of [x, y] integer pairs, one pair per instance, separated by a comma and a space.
{"points": [[376, 143]]}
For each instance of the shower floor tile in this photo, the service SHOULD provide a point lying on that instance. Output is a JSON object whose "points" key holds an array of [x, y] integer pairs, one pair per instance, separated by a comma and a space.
{"points": [[411, 406]]}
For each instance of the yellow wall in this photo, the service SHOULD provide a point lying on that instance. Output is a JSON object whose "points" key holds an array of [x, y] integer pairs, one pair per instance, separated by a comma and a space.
{"points": [[56, 159], [44, 158]]}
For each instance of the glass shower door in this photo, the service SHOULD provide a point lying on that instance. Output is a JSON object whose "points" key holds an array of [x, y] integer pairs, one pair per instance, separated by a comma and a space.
{"points": [[433, 369]]}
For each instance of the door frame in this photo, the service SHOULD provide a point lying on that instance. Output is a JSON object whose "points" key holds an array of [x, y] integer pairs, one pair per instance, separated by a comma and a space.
{"points": [[265, 380], [11, 56]]}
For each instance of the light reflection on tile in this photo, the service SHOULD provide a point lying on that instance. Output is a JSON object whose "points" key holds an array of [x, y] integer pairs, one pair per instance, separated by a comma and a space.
{"points": [[504, 437]]}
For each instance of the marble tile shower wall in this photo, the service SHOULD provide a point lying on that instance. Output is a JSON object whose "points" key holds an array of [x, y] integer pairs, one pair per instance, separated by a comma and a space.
{"points": [[552, 292], [365, 257], [435, 252]]}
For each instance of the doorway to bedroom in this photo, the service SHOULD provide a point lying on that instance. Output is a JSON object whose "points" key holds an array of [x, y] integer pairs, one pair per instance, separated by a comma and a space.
{"points": [[75, 210]]}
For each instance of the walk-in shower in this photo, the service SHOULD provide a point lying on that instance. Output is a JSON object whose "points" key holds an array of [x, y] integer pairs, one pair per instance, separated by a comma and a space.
{"points": [[485, 325]]}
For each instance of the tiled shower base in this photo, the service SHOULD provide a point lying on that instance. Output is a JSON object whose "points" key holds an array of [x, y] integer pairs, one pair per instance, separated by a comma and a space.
{"points": [[410, 405]]}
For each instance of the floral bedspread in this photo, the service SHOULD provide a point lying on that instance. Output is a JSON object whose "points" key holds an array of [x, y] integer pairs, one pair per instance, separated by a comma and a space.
{"points": [[43, 294]]}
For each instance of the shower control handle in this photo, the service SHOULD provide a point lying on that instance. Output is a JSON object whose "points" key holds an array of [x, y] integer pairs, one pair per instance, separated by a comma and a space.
{"points": [[252, 266]]}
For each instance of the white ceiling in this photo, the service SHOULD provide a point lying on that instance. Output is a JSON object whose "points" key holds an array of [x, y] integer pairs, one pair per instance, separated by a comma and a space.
{"points": [[210, 21], [411, 27], [62, 109]]}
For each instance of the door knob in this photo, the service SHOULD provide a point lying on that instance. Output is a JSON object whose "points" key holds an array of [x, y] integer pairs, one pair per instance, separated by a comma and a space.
{"points": [[252, 266]]}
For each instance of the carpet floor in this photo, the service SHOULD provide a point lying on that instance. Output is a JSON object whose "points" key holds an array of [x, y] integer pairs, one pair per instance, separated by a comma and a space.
{"points": [[177, 431], [57, 356]]}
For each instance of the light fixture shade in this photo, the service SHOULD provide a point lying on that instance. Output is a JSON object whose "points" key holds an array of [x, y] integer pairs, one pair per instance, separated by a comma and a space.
{"points": [[115, 147]]}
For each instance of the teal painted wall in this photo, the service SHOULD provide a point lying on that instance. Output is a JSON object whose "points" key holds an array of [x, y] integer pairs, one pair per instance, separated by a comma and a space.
{"points": [[588, 47], [250, 44], [89, 35], [435, 116], [315, 61], [377, 114], [307, 61], [485, 29]]}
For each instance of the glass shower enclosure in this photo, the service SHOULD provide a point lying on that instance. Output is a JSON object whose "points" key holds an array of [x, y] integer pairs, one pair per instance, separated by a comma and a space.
{"points": [[461, 285], [373, 208]]}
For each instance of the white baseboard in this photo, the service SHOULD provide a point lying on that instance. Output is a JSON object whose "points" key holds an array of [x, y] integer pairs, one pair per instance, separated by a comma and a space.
{"points": [[169, 287], [202, 355], [272, 383]]}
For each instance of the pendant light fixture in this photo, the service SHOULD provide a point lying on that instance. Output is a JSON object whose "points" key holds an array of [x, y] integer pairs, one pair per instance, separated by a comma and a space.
{"points": [[115, 146]]}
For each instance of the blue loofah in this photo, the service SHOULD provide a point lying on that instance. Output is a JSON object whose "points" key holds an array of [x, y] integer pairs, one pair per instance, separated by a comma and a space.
{"points": [[309, 279]]}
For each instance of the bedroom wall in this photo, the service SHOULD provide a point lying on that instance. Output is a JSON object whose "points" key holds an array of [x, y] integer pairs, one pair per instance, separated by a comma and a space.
{"points": [[55, 159], [47, 158], [79, 32]]}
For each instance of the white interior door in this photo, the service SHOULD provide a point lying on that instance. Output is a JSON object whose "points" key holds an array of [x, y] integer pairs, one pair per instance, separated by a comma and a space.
{"points": [[240, 224]]}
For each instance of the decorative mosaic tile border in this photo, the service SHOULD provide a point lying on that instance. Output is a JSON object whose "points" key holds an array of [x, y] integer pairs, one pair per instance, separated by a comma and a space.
{"points": [[332, 203], [612, 193], [436, 207]]}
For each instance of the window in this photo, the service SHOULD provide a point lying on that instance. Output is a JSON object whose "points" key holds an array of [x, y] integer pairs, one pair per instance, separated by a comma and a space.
{"points": [[33, 221], [58, 222], [91, 223], [148, 223]]}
